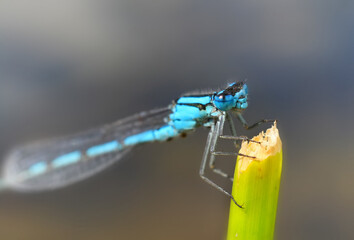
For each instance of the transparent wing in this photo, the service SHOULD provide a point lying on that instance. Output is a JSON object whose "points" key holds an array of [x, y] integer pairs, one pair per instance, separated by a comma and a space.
{"points": [[59, 162]]}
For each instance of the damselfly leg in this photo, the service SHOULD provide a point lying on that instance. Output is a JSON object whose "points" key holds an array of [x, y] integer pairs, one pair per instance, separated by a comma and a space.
{"points": [[213, 153], [247, 127], [212, 136], [236, 139], [209, 156]]}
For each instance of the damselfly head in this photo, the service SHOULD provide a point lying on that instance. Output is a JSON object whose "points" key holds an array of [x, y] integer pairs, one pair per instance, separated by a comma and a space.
{"points": [[234, 97]]}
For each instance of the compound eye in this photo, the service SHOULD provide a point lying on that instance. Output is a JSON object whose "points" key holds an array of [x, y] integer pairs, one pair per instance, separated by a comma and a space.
{"points": [[223, 98], [224, 102]]}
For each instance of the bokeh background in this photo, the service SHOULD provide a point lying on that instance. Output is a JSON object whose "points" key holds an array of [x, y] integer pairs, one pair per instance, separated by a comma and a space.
{"points": [[66, 66]]}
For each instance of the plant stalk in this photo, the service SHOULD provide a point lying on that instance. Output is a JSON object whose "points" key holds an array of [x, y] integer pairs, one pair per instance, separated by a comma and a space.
{"points": [[256, 188]]}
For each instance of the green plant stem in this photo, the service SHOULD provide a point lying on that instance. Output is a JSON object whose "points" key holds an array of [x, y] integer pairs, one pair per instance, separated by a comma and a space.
{"points": [[256, 188]]}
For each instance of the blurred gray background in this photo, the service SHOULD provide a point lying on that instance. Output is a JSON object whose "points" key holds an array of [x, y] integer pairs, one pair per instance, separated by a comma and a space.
{"points": [[66, 66]]}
